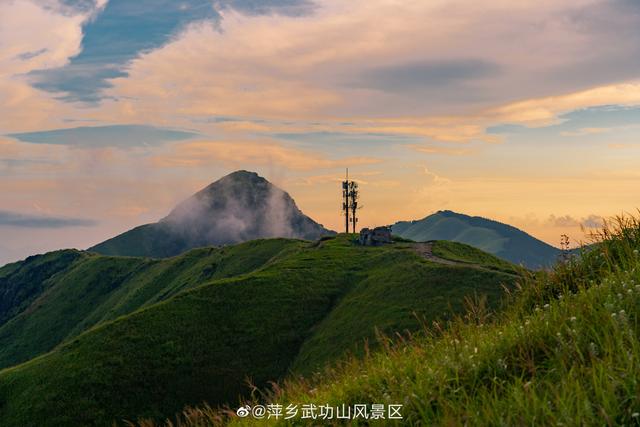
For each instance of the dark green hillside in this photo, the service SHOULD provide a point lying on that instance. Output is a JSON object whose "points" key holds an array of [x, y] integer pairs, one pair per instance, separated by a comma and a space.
{"points": [[309, 305], [496, 238], [21, 283], [149, 240], [89, 289]]}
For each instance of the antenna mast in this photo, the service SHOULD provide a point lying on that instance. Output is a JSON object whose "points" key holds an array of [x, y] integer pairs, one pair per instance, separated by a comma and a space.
{"points": [[350, 196]]}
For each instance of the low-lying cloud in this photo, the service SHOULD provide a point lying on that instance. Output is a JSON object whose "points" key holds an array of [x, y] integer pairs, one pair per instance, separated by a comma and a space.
{"points": [[427, 74], [106, 136], [16, 219]]}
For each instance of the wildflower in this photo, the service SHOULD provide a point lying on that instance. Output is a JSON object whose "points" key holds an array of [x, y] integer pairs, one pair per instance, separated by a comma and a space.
{"points": [[613, 315], [635, 252], [546, 306], [573, 318], [635, 414]]}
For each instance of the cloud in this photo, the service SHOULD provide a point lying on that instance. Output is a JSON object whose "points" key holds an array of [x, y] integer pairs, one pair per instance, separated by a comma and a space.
{"points": [[122, 30], [106, 136], [422, 75], [590, 123], [395, 51], [585, 131], [262, 7], [447, 151], [539, 112], [237, 154], [623, 146], [432, 177], [593, 221], [27, 47], [15, 219], [336, 139], [565, 221]]}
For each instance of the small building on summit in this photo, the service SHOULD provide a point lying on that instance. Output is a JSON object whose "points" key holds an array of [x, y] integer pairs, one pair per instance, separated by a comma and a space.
{"points": [[375, 237]]}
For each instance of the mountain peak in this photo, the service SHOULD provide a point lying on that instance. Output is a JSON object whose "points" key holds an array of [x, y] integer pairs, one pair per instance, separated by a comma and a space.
{"points": [[238, 207], [243, 174]]}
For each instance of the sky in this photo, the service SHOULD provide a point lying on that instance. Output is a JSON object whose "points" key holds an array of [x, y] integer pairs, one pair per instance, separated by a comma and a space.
{"points": [[113, 111]]}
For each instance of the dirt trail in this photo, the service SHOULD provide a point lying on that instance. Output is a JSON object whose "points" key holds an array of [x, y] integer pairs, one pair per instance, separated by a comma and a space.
{"points": [[425, 250]]}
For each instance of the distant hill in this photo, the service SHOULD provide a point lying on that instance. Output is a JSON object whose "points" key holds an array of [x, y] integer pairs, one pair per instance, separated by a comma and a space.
{"points": [[496, 238], [87, 339], [239, 207]]}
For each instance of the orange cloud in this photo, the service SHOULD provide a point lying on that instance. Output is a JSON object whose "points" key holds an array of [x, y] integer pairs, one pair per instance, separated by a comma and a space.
{"points": [[245, 154], [545, 111]]}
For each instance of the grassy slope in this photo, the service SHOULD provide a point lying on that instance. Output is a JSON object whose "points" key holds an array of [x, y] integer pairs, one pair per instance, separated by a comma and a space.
{"points": [[565, 352], [200, 345], [95, 289], [399, 292], [470, 255], [152, 240], [21, 283]]}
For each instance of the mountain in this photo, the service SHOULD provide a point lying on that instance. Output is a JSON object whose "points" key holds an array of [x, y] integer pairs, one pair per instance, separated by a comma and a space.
{"points": [[239, 207], [496, 238], [88, 339]]}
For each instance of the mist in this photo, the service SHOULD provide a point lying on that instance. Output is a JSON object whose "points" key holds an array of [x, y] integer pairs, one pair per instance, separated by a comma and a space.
{"points": [[239, 207]]}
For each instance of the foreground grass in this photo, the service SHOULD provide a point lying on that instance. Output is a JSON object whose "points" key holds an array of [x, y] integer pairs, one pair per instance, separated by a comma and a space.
{"points": [[566, 352]]}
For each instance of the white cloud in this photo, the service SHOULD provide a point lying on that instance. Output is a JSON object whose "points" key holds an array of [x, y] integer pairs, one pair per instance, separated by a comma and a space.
{"points": [[35, 36], [286, 66]]}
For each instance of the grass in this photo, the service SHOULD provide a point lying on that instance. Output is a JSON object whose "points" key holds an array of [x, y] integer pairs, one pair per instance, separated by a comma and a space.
{"points": [[68, 292], [470, 255], [22, 282], [564, 352], [156, 336]]}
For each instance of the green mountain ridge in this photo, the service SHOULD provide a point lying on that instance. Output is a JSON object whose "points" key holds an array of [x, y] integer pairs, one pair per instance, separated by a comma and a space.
{"points": [[112, 338], [502, 240]]}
